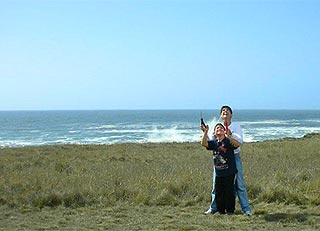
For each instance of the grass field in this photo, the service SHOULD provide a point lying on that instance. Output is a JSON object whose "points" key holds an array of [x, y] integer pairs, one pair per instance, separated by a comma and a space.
{"points": [[156, 187]]}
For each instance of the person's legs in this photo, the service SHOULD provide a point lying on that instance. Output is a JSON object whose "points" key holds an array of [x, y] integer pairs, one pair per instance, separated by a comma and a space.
{"points": [[229, 194], [240, 187], [220, 200], [213, 205]]}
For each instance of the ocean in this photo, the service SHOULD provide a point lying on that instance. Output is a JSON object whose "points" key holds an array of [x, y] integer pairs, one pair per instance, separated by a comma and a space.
{"points": [[34, 128]]}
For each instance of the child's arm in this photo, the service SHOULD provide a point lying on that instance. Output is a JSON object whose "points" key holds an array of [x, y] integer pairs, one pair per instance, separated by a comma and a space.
{"points": [[204, 141]]}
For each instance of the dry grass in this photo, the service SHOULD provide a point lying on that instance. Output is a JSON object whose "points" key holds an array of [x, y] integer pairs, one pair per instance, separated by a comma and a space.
{"points": [[155, 187]]}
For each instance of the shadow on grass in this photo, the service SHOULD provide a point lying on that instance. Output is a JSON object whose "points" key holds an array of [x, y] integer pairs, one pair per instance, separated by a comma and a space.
{"points": [[285, 217]]}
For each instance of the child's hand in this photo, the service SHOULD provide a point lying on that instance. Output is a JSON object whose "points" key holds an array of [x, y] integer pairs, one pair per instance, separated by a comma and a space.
{"points": [[204, 129]]}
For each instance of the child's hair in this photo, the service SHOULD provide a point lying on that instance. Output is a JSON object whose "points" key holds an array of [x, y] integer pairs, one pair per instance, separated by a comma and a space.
{"points": [[219, 124]]}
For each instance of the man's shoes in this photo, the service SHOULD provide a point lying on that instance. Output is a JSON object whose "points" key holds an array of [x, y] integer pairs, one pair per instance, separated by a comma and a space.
{"points": [[248, 213], [210, 212]]}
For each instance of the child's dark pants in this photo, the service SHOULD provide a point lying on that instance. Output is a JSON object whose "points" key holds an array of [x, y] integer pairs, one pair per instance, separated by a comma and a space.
{"points": [[225, 197]]}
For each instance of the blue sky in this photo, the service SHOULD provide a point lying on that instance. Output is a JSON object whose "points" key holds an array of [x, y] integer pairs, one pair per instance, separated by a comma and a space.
{"points": [[152, 54]]}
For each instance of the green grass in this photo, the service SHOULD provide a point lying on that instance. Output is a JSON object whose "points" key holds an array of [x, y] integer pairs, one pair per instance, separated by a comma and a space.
{"points": [[155, 187]]}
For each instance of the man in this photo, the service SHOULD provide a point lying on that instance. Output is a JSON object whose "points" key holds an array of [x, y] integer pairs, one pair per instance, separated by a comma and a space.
{"points": [[235, 131]]}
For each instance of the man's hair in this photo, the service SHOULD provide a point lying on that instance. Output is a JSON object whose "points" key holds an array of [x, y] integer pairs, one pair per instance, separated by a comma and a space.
{"points": [[225, 106]]}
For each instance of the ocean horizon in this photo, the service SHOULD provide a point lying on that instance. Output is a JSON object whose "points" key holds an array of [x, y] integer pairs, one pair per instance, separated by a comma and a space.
{"points": [[56, 127]]}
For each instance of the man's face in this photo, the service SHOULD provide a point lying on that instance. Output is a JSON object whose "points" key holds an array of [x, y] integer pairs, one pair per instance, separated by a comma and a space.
{"points": [[225, 114]]}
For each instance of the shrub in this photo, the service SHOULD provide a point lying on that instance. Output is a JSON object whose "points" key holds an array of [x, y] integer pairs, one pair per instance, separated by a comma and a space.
{"points": [[74, 200], [165, 198]]}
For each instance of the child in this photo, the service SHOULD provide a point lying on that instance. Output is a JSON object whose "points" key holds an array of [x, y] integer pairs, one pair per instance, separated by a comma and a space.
{"points": [[224, 162]]}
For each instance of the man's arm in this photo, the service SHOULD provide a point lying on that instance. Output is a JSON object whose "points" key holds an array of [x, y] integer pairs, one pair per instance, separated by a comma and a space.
{"points": [[233, 141], [236, 132]]}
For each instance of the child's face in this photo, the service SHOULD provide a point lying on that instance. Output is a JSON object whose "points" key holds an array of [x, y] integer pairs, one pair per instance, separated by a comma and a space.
{"points": [[218, 130]]}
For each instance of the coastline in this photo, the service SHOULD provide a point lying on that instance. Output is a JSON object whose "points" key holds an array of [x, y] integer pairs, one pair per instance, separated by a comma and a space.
{"points": [[306, 136], [21, 129]]}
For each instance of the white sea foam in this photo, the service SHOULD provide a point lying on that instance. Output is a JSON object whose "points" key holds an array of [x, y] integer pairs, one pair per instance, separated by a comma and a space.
{"points": [[270, 122], [124, 131], [170, 126], [272, 133], [248, 138], [73, 132], [171, 135], [13, 143], [107, 126]]}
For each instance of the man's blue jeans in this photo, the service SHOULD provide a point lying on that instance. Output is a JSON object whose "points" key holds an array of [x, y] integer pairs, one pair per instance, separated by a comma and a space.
{"points": [[240, 188]]}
